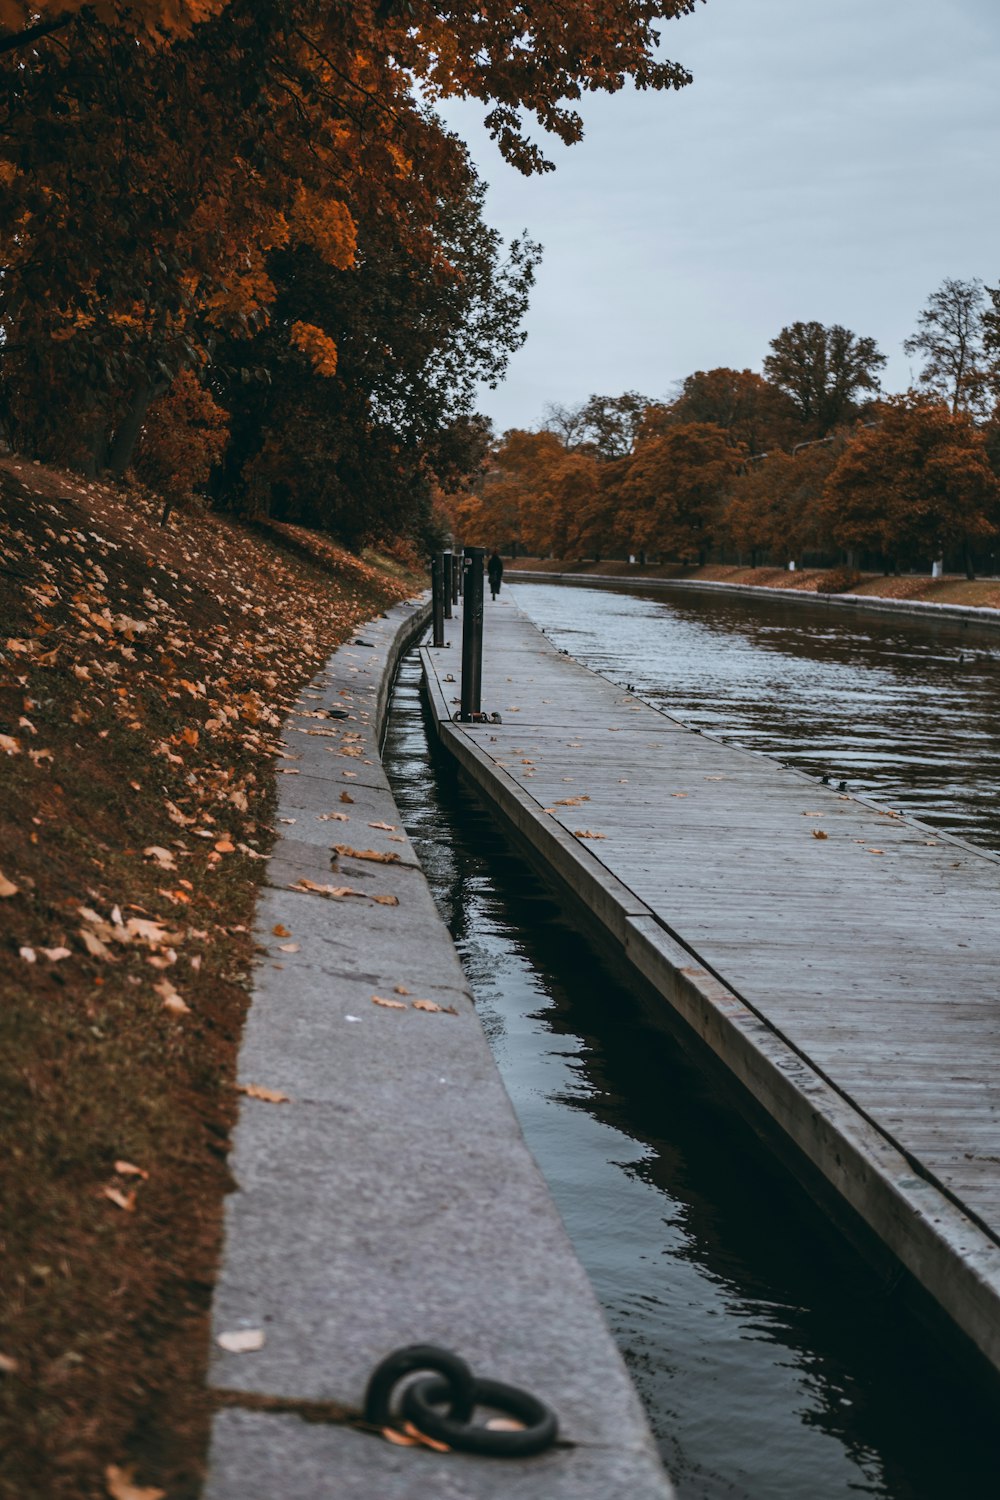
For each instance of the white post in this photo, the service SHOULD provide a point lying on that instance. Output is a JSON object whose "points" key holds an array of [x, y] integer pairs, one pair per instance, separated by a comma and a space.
{"points": [[937, 568]]}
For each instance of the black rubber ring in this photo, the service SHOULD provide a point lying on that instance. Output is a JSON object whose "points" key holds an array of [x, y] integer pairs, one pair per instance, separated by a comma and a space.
{"points": [[457, 1387], [422, 1403]]}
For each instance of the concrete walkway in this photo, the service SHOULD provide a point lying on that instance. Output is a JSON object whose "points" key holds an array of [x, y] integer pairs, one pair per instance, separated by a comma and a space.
{"points": [[390, 1198], [839, 959]]}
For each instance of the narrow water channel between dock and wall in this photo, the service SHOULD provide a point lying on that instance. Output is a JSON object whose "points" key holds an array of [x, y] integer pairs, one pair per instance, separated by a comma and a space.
{"points": [[772, 1363]]}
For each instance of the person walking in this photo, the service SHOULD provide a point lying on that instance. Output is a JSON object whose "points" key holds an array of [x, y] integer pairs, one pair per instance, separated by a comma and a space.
{"points": [[494, 572]]}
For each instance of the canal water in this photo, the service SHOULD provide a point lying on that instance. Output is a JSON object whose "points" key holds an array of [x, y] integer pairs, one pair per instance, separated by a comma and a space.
{"points": [[773, 1364], [903, 710]]}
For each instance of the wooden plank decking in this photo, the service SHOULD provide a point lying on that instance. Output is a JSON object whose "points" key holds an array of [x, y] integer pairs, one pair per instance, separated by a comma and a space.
{"points": [[869, 953]]}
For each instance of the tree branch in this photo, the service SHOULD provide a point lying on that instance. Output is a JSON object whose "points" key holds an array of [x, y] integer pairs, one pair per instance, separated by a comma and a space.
{"points": [[33, 33]]}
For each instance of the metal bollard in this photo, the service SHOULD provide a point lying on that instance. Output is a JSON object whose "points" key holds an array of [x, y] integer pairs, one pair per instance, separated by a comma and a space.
{"points": [[460, 571], [472, 634], [447, 560], [437, 599], [456, 574]]}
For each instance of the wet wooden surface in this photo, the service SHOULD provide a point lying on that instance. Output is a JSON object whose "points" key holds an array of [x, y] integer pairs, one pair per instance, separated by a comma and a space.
{"points": [[868, 941]]}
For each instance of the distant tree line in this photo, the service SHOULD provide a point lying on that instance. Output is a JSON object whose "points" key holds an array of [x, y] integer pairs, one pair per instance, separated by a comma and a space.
{"points": [[808, 460]]}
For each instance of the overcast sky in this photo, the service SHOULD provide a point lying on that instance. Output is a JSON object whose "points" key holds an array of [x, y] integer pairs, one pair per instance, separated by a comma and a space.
{"points": [[833, 161]]}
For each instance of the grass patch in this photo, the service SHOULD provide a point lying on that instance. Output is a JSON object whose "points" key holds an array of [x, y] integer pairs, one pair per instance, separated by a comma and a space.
{"points": [[144, 674]]}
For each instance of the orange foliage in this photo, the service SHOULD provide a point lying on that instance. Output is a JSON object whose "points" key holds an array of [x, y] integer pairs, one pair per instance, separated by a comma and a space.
{"points": [[316, 346], [914, 485], [675, 486], [774, 505], [184, 435]]}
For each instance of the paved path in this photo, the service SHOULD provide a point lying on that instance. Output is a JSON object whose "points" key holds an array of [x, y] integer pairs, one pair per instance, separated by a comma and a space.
{"points": [[840, 959], [391, 1199]]}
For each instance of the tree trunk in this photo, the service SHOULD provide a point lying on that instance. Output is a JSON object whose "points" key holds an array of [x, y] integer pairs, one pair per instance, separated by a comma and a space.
{"points": [[125, 439], [970, 571]]}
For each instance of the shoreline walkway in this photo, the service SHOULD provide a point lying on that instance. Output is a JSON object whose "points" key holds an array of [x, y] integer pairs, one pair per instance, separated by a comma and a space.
{"points": [[384, 1193], [839, 959]]}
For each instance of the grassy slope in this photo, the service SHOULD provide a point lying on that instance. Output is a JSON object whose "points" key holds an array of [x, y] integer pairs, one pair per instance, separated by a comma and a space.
{"points": [[143, 675], [950, 590]]}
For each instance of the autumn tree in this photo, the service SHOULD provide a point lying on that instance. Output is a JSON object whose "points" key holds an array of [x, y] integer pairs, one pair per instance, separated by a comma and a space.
{"points": [[675, 487], [607, 426], [184, 436], [755, 413], [599, 524], [915, 485], [775, 504], [991, 349], [362, 448], [950, 339], [823, 370], [159, 158]]}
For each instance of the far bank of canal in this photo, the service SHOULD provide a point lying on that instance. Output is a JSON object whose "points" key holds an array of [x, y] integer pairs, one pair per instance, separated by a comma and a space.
{"points": [[772, 1364]]}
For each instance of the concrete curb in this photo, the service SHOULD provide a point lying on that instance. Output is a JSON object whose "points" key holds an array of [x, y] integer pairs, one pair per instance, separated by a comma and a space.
{"points": [[967, 614], [391, 1199], [947, 1253]]}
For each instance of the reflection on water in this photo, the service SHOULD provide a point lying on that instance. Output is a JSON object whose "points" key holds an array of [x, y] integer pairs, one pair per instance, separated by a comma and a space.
{"points": [[906, 711], [772, 1364]]}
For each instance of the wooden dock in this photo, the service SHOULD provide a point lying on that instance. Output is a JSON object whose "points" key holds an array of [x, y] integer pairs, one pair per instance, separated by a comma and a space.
{"points": [[840, 959]]}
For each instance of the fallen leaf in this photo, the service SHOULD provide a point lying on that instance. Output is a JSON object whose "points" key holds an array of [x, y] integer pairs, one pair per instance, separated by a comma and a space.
{"points": [[400, 989], [385, 900], [425, 1005], [7, 887], [28, 954], [129, 1169], [241, 1340], [55, 955], [818, 833], [288, 947], [171, 999], [121, 1200], [421, 1440], [387, 827], [163, 857], [389, 1004], [334, 817], [257, 1091], [224, 846], [373, 854], [587, 833], [570, 801], [876, 851], [401, 1439], [335, 892], [145, 930], [8, 1366], [94, 946], [280, 930], [346, 797], [121, 1485], [9, 744]]}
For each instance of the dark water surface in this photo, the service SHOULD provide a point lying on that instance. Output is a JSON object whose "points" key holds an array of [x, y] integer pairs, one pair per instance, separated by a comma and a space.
{"points": [[772, 1363], [902, 710]]}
